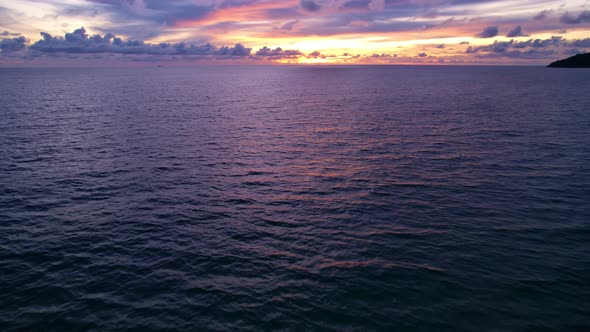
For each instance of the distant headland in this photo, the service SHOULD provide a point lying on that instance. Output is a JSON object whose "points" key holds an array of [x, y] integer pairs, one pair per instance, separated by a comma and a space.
{"points": [[576, 61]]}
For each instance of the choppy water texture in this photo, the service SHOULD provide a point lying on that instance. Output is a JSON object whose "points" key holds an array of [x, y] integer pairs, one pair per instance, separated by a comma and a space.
{"points": [[296, 198]]}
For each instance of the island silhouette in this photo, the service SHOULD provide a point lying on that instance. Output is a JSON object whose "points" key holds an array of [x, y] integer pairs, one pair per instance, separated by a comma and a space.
{"points": [[576, 61]]}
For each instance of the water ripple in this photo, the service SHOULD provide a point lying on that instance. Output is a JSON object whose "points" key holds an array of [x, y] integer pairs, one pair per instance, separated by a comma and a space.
{"points": [[294, 198]]}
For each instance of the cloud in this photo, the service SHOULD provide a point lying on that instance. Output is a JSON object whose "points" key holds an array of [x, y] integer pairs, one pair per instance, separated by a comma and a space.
{"points": [[516, 32], [540, 43], [574, 51], [362, 5], [278, 53], [496, 47], [370, 24], [504, 46], [580, 43], [431, 13], [440, 46], [161, 12], [9, 34], [384, 55], [78, 42], [530, 49], [528, 54], [309, 5], [582, 17], [238, 50], [289, 25], [488, 32], [422, 55], [10, 45], [542, 14], [316, 54]]}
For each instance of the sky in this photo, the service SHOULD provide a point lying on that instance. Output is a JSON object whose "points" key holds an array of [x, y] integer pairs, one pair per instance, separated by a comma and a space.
{"points": [[140, 32]]}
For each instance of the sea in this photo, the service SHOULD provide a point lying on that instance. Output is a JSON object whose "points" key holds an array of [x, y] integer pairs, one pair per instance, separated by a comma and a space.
{"points": [[295, 198]]}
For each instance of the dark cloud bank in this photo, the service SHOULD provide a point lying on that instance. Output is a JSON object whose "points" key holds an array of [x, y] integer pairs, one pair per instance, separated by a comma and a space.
{"points": [[10, 45], [516, 32], [488, 32], [79, 42], [583, 17], [529, 49]]}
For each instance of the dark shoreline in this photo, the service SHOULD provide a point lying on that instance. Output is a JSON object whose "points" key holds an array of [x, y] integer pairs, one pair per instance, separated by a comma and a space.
{"points": [[576, 61]]}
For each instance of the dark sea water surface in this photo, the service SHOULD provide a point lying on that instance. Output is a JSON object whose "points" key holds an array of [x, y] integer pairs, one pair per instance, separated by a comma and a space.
{"points": [[295, 198]]}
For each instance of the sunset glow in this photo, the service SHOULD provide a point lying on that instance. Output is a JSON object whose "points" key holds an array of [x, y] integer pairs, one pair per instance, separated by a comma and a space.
{"points": [[304, 31]]}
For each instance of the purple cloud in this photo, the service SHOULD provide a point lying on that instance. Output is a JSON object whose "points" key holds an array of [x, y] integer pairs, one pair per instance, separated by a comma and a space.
{"points": [[315, 54], [278, 53], [79, 42], [582, 17], [516, 54], [581, 43], [542, 14], [289, 25], [10, 45], [488, 32], [574, 51], [384, 55], [356, 5], [9, 34], [309, 5], [516, 32], [530, 49]]}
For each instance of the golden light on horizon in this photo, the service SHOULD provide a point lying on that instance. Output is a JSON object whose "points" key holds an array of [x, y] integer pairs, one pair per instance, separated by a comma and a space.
{"points": [[339, 30]]}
